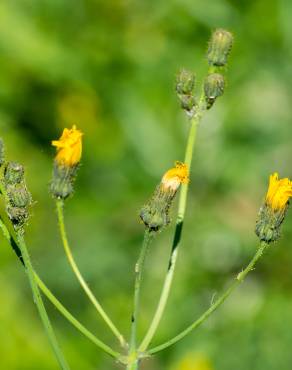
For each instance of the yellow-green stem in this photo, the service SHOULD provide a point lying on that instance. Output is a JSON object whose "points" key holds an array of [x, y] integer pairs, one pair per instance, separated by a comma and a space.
{"points": [[55, 301], [74, 321], [39, 303], [139, 268], [177, 235], [84, 285], [239, 278]]}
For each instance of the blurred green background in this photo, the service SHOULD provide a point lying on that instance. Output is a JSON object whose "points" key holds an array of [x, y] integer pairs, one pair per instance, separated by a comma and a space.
{"points": [[109, 67]]}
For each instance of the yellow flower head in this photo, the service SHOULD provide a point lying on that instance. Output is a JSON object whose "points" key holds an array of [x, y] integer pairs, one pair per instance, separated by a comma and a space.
{"points": [[279, 192], [175, 176], [69, 147]]}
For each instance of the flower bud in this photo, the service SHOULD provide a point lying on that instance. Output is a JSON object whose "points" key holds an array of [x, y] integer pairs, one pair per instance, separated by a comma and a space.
{"points": [[18, 198], [273, 211], [69, 149], [18, 195], [155, 214], [13, 173], [219, 47], [185, 84], [213, 88]]}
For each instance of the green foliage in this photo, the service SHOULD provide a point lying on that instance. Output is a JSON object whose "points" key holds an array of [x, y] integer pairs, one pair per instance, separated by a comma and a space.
{"points": [[110, 67]]}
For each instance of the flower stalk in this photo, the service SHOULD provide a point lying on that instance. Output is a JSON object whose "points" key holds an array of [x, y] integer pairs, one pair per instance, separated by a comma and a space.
{"points": [[51, 297], [178, 229], [84, 285], [139, 268], [239, 279], [40, 305], [220, 45]]}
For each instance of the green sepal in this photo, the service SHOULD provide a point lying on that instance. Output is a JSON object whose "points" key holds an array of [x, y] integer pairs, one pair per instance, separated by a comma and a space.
{"points": [[63, 180], [268, 225]]}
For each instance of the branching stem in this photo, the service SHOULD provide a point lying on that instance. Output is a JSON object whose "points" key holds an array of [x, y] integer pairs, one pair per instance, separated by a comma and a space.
{"points": [[239, 279], [51, 297], [177, 235]]}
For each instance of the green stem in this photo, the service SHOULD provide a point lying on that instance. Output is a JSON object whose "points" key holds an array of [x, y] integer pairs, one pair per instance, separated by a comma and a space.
{"points": [[73, 320], [177, 235], [60, 206], [55, 301], [133, 366], [139, 267], [239, 278], [39, 303]]}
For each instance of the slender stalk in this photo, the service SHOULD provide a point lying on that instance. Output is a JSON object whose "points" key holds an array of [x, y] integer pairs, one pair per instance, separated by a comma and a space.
{"points": [[55, 301], [177, 235], [39, 303], [73, 320], [239, 278], [139, 268], [133, 366], [97, 305]]}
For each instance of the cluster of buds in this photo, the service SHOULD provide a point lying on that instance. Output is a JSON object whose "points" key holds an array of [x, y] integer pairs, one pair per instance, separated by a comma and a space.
{"points": [[218, 51], [69, 150], [155, 214], [18, 198], [185, 85], [273, 211]]}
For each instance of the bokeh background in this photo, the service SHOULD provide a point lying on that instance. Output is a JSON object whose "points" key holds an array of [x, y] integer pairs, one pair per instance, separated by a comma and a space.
{"points": [[109, 67]]}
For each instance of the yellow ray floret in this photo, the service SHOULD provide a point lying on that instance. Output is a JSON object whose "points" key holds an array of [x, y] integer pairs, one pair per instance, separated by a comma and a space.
{"points": [[175, 176], [69, 147], [279, 192]]}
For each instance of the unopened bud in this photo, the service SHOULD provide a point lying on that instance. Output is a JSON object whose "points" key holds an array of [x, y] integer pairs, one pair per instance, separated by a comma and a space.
{"points": [[187, 102], [213, 88], [13, 173], [18, 217], [185, 82], [18, 195], [18, 198], [219, 47], [184, 88]]}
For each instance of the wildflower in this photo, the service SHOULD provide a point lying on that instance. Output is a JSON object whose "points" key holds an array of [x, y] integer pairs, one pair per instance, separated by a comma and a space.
{"points": [[69, 150], [272, 213], [175, 176], [69, 147], [155, 213]]}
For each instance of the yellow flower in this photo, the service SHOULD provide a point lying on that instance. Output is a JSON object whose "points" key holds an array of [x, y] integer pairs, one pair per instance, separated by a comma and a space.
{"points": [[175, 176], [279, 192], [69, 147]]}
